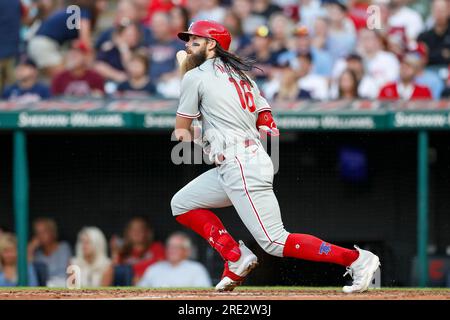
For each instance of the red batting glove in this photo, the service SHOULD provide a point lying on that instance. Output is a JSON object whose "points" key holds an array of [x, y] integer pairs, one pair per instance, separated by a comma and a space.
{"points": [[266, 123]]}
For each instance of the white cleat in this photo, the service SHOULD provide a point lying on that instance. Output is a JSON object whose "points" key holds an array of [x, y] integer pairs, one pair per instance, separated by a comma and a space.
{"points": [[235, 272], [362, 271]]}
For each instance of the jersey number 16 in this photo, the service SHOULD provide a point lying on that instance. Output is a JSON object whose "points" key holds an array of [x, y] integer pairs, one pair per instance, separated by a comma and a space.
{"points": [[243, 89]]}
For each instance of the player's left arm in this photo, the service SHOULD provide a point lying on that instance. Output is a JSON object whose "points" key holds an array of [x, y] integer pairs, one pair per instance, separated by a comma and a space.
{"points": [[265, 120]]}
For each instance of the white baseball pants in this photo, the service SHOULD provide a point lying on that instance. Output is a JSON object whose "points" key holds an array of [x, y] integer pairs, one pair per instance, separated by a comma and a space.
{"points": [[243, 180]]}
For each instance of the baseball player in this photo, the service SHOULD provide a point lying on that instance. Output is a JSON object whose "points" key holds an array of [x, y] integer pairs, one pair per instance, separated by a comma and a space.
{"points": [[217, 93]]}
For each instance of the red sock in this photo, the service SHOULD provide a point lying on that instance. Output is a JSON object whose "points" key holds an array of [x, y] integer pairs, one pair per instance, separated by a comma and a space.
{"points": [[209, 226], [306, 247]]}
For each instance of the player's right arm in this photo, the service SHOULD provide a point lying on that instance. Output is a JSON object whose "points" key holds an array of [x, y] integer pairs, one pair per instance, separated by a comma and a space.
{"points": [[183, 129], [188, 108]]}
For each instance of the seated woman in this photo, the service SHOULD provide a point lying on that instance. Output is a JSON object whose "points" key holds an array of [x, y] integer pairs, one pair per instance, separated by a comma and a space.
{"points": [[138, 249], [348, 85], [8, 263], [138, 83], [91, 257]]}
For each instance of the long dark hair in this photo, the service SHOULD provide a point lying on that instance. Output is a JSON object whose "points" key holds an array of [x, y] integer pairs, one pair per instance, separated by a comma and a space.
{"points": [[355, 83], [185, 14], [127, 248], [235, 64]]}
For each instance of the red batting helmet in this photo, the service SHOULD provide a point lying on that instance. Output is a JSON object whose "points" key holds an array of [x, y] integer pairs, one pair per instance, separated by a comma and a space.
{"points": [[208, 29]]}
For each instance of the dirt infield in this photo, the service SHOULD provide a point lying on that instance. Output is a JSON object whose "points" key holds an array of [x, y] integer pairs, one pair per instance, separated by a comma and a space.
{"points": [[238, 294]]}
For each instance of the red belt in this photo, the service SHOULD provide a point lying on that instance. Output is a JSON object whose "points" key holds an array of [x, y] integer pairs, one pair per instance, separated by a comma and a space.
{"points": [[247, 143]]}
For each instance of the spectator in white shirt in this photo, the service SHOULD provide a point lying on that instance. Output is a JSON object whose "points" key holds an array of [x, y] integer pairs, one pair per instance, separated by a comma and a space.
{"points": [[380, 65], [403, 16], [177, 271], [367, 88], [315, 84]]}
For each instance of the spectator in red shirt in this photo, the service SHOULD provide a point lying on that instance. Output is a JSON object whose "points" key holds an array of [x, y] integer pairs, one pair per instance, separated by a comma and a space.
{"points": [[138, 248], [358, 13], [77, 79], [406, 88], [396, 41]]}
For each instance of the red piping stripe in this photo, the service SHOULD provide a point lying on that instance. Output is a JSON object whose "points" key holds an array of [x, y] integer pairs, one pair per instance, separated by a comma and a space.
{"points": [[264, 109], [188, 115], [251, 202]]}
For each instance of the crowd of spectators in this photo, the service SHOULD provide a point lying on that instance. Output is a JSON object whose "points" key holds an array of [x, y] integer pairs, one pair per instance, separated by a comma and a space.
{"points": [[132, 259], [303, 49]]}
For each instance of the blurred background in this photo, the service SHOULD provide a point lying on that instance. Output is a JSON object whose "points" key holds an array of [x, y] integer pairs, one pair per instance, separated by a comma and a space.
{"points": [[100, 199]]}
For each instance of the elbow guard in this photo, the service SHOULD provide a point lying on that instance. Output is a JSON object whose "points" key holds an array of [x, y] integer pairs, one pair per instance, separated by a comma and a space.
{"points": [[266, 123]]}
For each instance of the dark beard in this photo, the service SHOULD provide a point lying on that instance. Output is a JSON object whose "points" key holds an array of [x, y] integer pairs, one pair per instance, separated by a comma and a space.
{"points": [[194, 60]]}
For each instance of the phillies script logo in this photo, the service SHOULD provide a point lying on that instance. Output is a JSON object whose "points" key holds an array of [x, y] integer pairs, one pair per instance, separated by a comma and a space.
{"points": [[325, 248]]}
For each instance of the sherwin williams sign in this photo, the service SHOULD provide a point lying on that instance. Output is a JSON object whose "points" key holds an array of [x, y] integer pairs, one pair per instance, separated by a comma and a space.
{"points": [[147, 114]]}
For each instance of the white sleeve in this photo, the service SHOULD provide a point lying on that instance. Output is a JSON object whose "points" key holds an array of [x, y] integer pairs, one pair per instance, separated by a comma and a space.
{"points": [[146, 280], [190, 96], [260, 102], [338, 68], [415, 27], [324, 89], [392, 68]]}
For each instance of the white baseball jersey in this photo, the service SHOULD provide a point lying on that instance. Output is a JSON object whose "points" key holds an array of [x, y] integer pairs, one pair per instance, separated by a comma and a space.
{"points": [[228, 109]]}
